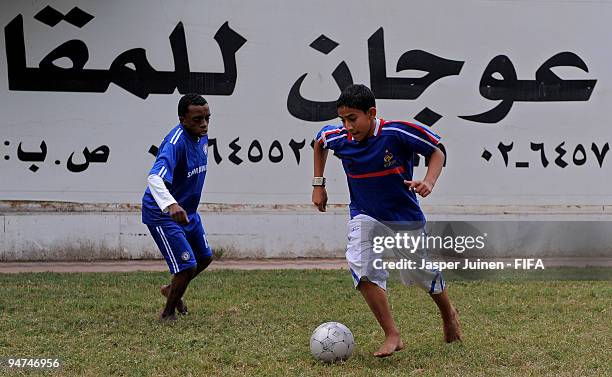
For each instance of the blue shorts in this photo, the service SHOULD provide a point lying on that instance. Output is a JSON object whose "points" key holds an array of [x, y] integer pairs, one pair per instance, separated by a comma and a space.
{"points": [[181, 245]]}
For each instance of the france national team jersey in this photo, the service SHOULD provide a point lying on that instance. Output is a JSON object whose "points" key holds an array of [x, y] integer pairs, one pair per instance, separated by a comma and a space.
{"points": [[181, 162], [377, 166]]}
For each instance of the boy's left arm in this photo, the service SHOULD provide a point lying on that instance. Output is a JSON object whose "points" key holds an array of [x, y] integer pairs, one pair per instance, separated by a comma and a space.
{"points": [[434, 168]]}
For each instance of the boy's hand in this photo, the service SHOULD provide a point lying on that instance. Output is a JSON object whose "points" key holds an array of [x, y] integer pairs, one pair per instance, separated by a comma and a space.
{"points": [[178, 214], [319, 197], [422, 188]]}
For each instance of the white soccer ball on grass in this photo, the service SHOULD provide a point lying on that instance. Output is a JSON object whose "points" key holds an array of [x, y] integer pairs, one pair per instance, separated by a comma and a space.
{"points": [[331, 342]]}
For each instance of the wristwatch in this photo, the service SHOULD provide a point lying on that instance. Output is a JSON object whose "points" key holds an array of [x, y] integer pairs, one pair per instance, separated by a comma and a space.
{"points": [[318, 181]]}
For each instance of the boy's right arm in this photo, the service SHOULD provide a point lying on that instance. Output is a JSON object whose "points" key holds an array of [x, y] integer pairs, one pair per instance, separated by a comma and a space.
{"points": [[319, 194], [165, 201], [162, 172]]}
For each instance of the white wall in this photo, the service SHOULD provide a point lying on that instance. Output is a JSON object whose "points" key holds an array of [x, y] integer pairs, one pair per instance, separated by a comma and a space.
{"points": [[568, 113]]}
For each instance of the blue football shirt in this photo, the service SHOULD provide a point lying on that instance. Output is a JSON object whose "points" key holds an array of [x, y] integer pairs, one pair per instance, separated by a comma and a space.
{"points": [[182, 163], [377, 167]]}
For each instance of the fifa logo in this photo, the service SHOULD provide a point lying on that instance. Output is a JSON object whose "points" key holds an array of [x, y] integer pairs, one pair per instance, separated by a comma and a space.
{"points": [[388, 159]]}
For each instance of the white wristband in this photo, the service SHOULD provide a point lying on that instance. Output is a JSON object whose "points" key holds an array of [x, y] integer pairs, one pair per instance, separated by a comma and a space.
{"points": [[318, 181]]}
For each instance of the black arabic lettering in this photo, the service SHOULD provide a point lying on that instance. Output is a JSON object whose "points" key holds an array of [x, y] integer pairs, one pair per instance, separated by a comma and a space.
{"points": [[143, 79], [49, 77], [77, 168], [75, 50], [233, 157], [278, 157], [255, 152], [130, 70], [504, 150], [600, 155], [32, 156], [382, 86], [212, 143], [153, 150], [221, 84], [545, 88], [98, 155], [296, 147], [255, 145], [579, 154], [313, 111], [561, 151], [579, 161], [385, 87], [540, 147]]}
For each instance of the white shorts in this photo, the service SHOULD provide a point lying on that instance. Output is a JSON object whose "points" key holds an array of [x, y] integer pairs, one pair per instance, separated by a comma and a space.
{"points": [[365, 264]]}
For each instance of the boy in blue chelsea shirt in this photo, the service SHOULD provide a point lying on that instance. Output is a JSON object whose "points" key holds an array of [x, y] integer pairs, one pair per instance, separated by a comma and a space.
{"points": [[170, 202]]}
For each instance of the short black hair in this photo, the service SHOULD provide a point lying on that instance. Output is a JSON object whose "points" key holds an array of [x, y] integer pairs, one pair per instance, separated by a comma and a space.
{"points": [[187, 100], [357, 96]]}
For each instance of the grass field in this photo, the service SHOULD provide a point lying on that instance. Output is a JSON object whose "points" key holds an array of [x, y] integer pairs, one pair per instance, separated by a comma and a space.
{"points": [[258, 323]]}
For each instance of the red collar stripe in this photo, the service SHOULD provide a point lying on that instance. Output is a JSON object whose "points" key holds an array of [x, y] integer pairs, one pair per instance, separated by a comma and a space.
{"points": [[423, 130]]}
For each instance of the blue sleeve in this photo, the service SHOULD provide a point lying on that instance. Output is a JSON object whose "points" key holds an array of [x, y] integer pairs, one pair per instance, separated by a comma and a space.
{"points": [[417, 137], [331, 136], [167, 158]]}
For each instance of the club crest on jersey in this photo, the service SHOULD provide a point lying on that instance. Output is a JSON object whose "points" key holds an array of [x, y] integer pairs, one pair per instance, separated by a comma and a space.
{"points": [[388, 159], [185, 256], [205, 149]]}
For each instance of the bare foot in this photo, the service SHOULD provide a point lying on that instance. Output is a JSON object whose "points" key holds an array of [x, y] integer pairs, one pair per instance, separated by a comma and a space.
{"points": [[452, 328], [391, 345], [180, 305], [167, 318]]}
